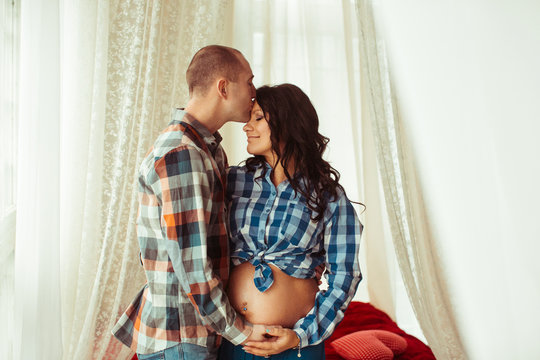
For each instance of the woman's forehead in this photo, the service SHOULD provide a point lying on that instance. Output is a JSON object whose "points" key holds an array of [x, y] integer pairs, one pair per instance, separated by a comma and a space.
{"points": [[256, 107]]}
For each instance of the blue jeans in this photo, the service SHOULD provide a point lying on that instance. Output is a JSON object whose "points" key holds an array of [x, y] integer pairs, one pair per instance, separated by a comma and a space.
{"points": [[182, 351], [228, 351]]}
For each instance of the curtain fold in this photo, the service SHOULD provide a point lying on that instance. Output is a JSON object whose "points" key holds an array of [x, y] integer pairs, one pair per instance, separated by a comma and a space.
{"points": [[379, 270], [415, 247], [9, 63], [37, 332]]}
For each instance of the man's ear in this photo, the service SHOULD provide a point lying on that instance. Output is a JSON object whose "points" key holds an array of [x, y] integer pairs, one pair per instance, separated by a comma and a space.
{"points": [[223, 88]]}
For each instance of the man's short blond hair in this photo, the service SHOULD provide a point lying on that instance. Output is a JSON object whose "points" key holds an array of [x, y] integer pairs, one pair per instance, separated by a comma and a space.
{"points": [[208, 64]]}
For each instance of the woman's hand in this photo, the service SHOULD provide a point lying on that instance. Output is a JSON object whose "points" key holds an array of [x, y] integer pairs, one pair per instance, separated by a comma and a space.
{"points": [[257, 334], [319, 272], [279, 340]]}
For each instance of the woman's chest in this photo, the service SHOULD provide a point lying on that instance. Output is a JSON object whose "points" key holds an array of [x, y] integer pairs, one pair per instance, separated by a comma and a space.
{"points": [[274, 219]]}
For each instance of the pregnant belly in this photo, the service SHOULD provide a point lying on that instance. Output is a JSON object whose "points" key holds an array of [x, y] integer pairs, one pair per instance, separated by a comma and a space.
{"points": [[284, 303]]}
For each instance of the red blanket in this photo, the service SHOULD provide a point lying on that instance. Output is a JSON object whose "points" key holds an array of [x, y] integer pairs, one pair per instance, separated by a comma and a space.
{"points": [[363, 316]]}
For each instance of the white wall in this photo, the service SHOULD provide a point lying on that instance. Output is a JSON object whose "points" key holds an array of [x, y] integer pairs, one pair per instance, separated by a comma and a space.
{"points": [[467, 78]]}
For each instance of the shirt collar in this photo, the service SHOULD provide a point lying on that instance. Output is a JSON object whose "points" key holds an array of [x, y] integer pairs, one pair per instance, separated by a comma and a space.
{"points": [[261, 167]]}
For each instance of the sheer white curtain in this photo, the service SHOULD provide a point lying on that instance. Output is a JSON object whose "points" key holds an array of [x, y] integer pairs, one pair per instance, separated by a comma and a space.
{"points": [[466, 79], [37, 255], [415, 247], [9, 58], [315, 45], [98, 80]]}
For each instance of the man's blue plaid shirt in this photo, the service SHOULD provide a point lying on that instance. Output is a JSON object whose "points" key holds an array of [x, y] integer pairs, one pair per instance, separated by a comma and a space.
{"points": [[273, 225]]}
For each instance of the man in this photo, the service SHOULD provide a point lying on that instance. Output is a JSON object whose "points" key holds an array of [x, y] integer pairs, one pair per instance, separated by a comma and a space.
{"points": [[181, 225]]}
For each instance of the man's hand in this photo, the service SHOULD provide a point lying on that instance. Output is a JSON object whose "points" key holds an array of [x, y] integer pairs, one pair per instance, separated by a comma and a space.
{"points": [[280, 339], [258, 334]]}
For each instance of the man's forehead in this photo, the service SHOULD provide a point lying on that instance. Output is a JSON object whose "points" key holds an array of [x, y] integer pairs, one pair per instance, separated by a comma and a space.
{"points": [[247, 74]]}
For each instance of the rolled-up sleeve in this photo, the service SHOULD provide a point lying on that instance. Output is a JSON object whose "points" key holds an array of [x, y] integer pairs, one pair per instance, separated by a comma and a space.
{"points": [[342, 244]]}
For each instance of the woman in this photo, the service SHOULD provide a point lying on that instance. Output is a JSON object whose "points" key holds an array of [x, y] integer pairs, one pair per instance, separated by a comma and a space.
{"points": [[288, 215]]}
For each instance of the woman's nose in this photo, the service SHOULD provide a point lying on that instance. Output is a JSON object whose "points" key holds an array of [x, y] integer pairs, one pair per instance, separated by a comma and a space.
{"points": [[246, 127]]}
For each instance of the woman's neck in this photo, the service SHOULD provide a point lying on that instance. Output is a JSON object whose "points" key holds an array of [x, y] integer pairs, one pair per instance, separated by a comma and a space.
{"points": [[278, 173]]}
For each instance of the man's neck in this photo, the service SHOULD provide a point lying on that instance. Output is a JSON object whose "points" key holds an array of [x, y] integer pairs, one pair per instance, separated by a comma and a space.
{"points": [[206, 113]]}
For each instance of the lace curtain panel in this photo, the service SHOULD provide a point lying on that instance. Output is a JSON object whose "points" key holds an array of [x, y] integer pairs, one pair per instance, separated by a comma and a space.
{"points": [[122, 71], [416, 249]]}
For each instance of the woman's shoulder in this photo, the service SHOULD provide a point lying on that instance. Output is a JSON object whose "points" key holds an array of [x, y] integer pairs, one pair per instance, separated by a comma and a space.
{"points": [[247, 169], [239, 178], [336, 201], [236, 171]]}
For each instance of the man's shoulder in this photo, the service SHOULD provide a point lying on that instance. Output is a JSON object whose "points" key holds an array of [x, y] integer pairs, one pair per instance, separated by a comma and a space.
{"points": [[172, 144], [175, 137]]}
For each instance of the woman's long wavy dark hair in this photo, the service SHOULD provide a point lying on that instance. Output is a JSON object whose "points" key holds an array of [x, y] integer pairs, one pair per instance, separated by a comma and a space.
{"points": [[294, 123]]}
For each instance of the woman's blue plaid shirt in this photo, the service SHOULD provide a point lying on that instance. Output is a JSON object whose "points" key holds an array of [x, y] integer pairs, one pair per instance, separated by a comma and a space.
{"points": [[274, 225]]}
